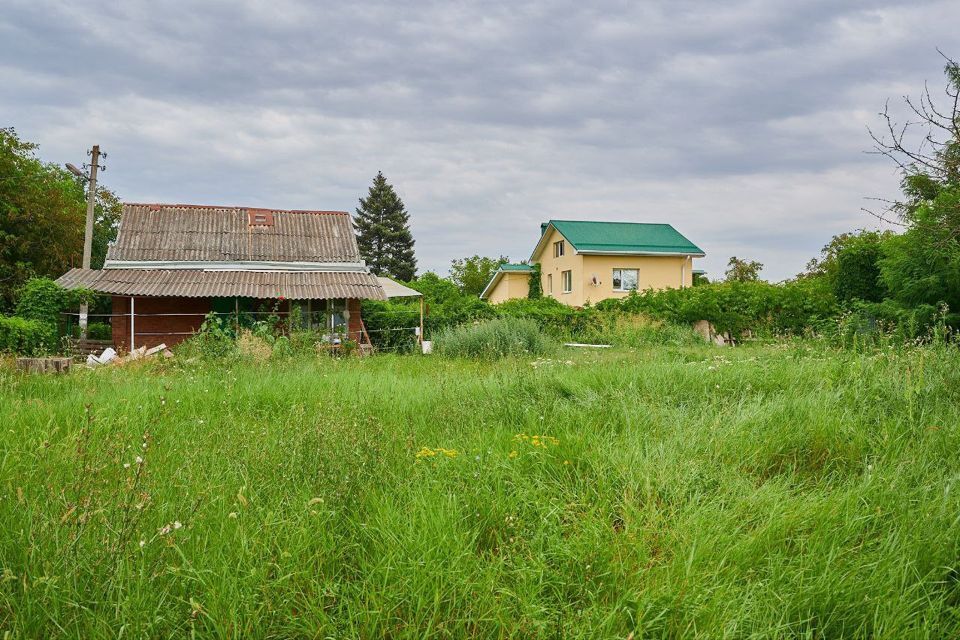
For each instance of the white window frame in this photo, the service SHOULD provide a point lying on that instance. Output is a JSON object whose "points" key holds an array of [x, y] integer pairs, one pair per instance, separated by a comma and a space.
{"points": [[614, 278], [566, 278], [549, 283], [558, 249]]}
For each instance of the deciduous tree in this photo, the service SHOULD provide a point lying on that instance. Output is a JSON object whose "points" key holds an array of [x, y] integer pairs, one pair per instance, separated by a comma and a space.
{"points": [[922, 265], [41, 216], [472, 274], [743, 270]]}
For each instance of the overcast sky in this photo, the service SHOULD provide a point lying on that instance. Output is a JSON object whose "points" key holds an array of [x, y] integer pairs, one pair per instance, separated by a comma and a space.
{"points": [[743, 124]]}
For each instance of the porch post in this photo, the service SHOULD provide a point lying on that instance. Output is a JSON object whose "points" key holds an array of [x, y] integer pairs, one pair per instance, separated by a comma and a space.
{"points": [[132, 326], [421, 319]]}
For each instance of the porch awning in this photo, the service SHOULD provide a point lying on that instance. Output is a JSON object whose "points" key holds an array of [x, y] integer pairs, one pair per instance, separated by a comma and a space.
{"points": [[394, 289]]}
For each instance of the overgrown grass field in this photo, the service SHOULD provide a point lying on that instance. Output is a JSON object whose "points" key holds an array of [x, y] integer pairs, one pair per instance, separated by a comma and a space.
{"points": [[785, 490]]}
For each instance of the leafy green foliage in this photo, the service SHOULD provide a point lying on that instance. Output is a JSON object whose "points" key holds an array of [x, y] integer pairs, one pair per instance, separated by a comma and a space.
{"points": [[535, 285], [95, 331], [42, 214], [106, 223], [44, 300], [743, 270], [26, 337], [40, 305], [493, 339], [737, 307], [472, 274], [383, 232], [434, 288], [851, 264], [216, 339], [921, 267], [889, 322]]}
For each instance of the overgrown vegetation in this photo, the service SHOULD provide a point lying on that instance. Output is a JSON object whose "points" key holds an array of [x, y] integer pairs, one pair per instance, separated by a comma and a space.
{"points": [[42, 213], [493, 339], [787, 490], [38, 327]]}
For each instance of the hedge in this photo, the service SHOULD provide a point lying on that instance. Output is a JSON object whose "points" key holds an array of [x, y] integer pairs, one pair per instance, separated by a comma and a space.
{"points": [[736, 307], [26, 337]]}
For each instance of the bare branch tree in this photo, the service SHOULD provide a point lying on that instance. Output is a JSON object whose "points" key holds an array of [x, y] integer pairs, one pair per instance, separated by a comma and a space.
{"points": [[934, 155]]}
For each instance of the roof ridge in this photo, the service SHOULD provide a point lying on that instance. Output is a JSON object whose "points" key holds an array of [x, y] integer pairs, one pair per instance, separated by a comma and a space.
{"points": [[659, 224], [232, 207]]}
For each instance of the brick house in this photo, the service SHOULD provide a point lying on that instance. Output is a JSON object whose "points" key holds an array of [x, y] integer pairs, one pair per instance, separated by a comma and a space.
{"points": [[171, 265]]}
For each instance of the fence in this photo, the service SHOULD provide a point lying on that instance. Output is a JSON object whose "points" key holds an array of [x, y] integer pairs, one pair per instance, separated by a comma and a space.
{"points": [[151, 329]]}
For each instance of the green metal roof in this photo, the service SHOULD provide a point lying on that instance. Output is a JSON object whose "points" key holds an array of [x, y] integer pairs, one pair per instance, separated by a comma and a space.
{"points": [[515, 267], [498, 274], [624, 237]]}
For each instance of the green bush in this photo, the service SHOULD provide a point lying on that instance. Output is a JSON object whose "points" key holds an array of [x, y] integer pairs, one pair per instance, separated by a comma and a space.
{"points": [[634, 330], [44, 300], [871, 323], [26, 337], [216, 339], [95, 331], [493, 339], [738, 307]]}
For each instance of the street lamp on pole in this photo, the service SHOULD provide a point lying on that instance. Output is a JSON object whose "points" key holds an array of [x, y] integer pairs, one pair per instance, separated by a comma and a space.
{"points": [[88, 229]]}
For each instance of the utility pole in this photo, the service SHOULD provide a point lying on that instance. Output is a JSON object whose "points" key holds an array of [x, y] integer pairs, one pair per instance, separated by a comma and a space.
{"points": [[88, 231]]}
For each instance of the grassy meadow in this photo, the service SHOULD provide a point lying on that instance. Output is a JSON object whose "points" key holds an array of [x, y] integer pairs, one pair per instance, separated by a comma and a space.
{"points": [[784, 490]]}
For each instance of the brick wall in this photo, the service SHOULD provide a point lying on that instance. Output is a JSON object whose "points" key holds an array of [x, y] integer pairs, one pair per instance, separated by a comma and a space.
{"points": [[176, 327], [354, 326]]}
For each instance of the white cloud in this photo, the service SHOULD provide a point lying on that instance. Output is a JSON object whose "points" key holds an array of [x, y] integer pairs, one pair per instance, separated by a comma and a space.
{"points": [[743, 124]]}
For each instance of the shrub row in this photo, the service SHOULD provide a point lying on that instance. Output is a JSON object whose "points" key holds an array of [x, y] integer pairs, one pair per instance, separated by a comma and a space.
{"points": [[26, 337], [734, 307]]}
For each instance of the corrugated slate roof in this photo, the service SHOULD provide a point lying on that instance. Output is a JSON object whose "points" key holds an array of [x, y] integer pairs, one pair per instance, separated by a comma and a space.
{"points": [[624, 237], [201, 233], [192, 283]]}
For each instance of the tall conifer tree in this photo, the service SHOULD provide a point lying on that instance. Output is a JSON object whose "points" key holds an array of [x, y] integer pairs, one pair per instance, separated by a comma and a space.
{"points": [[383, 232]]}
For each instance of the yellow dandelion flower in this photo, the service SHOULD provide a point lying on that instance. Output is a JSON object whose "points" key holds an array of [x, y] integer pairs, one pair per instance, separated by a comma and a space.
{"points": [[425, 452]]}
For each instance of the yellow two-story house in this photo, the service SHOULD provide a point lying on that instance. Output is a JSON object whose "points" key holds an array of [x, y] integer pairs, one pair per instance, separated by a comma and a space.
{"points": [[585, 262]]}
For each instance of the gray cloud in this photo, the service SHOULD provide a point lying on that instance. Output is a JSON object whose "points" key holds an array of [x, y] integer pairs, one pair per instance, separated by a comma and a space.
{"points": [[742, 124]]}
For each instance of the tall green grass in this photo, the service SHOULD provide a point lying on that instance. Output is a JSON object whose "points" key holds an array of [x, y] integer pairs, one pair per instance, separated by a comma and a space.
{"points": [[493, 339], [682, 491]]}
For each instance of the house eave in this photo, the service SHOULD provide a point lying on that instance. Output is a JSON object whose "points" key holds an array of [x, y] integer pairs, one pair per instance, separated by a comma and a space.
{"points": [[673, 254], [497, 276]]}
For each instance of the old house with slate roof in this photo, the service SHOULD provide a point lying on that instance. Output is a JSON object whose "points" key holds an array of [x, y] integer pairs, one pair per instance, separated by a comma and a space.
{"points": [[171, 265]]}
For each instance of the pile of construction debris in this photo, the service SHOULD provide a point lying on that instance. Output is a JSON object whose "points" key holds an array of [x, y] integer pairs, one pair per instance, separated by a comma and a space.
{"points": [[110, 356]]}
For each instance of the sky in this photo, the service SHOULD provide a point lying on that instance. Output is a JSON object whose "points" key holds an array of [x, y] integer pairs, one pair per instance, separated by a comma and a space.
{"points": [[741, 123]]}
